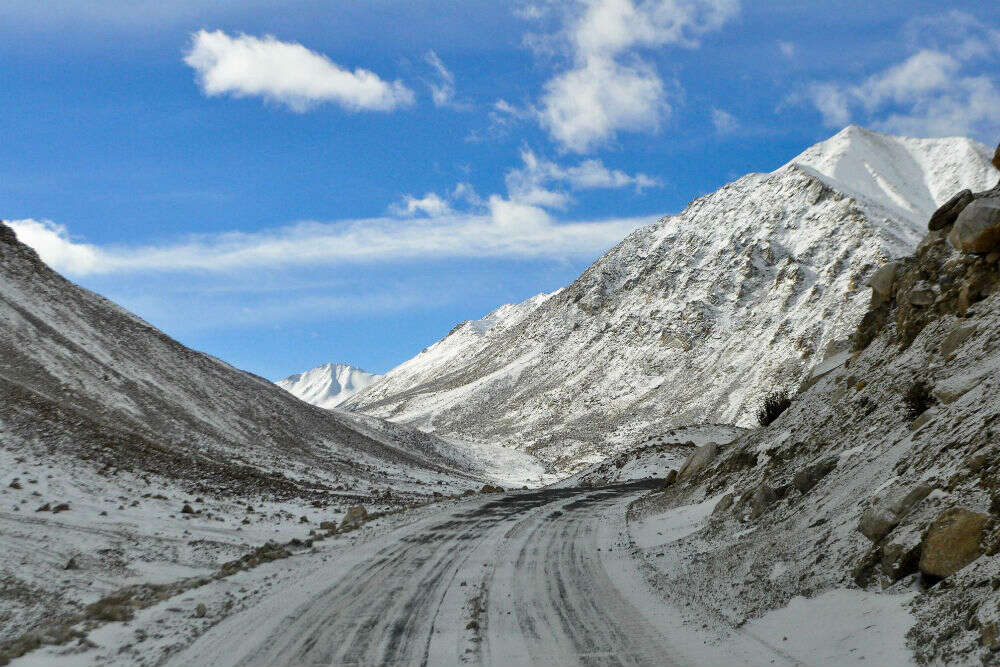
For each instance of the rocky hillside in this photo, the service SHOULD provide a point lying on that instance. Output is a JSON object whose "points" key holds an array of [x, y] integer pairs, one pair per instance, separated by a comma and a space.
{"points": [[695, 318], [327, 386], [83, 378], [878, 487]]}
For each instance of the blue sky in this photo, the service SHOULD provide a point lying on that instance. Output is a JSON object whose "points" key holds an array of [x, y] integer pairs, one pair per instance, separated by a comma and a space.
{"points": [[283, 184]]}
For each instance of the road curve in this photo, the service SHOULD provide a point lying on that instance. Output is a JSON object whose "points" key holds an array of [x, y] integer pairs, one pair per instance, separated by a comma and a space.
{"points": [[529, 578]]}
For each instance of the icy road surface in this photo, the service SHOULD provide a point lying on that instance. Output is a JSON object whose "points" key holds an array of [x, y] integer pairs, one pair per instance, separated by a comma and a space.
{"points": [[529, 578]]}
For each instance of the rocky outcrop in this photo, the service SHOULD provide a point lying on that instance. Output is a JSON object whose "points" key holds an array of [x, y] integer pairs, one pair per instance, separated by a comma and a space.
{"points": [[977, 228], [948, 213], [698, 460], [953, 541], [354, 517]]}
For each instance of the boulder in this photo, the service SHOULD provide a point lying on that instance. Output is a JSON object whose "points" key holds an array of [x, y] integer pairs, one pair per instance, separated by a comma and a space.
{"points": [[355, 516], [698, 460], [882, 281], [978, 226], [805, 480], [901, 556], [761, 500], [948, 213], [724, 504], [954, 340], [996, 158], [922, 294], [953, 541], [878, 521], [670, 478]]}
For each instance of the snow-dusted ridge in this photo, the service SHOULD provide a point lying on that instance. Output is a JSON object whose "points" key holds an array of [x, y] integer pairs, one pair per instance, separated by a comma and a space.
{"points": [[329, 385], [694, 318]]}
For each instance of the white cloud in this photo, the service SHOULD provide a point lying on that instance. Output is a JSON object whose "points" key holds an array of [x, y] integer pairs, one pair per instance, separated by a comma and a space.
{"points": [[724, 122], [787, 49], [287, 73], [505, 229], [443, 90], [609, 88], [431, 205], [946, 87]]}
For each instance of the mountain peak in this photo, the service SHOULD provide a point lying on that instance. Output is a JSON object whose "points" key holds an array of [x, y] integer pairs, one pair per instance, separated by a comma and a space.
{"points": [[906, 177], [328, 385]]}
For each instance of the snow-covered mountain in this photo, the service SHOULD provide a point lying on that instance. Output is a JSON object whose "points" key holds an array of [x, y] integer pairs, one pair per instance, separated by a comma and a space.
{"points": [[329, 385], [692, 319], [86, 379]]}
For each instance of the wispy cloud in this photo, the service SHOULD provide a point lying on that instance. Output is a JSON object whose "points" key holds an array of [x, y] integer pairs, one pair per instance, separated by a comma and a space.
{"points": [[443, 88], [939, 89], [506, 229], [287, 73], [608, 87], [724, 122]]}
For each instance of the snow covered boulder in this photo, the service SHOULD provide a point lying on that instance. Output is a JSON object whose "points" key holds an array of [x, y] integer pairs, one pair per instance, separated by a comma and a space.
{"points": [[355, 516], [953, 541], [698, 460], [878, 521], [978, 226], [948, 213], [806, 479]]}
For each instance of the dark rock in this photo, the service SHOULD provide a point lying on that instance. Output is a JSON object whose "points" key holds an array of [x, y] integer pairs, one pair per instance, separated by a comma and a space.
{"points": [[996, 158], [44, 508], [72, 564], [946, 215], [61, 507], [760, 500], [670, 478], [187, 509], [200, 610], [805, 480]]}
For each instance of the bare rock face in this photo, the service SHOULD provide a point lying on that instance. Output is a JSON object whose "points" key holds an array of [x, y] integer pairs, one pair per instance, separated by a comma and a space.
{"points": [[953, 541], [355, 516], [996, 157], [948, 213], [761, 499], [977, 228], [805, 479]]}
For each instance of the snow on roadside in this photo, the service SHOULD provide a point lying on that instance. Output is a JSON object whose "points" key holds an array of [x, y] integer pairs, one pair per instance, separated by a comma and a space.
{"points": [[841, 627]]}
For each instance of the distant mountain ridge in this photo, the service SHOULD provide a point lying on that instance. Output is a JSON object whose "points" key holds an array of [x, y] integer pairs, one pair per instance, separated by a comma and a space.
{"points": [[694, 318], [329, 385]]}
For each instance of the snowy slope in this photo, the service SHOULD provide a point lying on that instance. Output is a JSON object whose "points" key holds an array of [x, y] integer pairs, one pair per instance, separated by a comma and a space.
{"points": [[695, 318], [328, 385]]}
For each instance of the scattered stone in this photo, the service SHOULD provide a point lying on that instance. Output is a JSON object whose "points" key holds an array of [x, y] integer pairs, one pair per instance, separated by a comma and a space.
{"points": [[946, 215], [61, 507], [977, 229], [72, 564], [489, 488], [187, 509], [953, 541], [670, 478], [303, 519], [15, 484], [44, 508], [355, 516], [328, 525], [200, 610], [805, 480]]}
